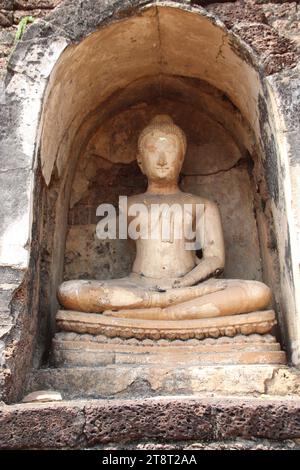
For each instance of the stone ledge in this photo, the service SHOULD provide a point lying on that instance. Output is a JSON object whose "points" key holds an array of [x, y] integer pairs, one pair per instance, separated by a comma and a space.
{"points": [[86, 424], [120, 381]]}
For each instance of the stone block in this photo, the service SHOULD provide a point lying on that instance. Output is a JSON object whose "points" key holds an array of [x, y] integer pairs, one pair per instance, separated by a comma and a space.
{"points": [[14, 225], [276, 62], [232, 444], [36, 58], [4, 50], [5, 298], [40, 427], [293, 142], [268, 420], [159, 418], [42, 396], [10, 275], [77, 23], [232, 13], [32, 4], [156, 422], [6, 18], [146, 380], [166, 419], [6, 4], [3, 65], [286, 88], [7, 36], [283, 382], [19, 14]]}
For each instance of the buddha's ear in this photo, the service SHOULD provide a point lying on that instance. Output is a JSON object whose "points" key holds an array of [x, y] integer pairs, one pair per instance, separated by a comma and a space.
{"points": [[140, 162], [182, 157]]}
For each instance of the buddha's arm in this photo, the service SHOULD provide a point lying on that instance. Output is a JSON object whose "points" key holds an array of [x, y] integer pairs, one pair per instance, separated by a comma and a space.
{"points": [[213, 251]]}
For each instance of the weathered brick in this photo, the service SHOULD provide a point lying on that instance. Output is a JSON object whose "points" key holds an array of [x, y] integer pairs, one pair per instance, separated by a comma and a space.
{"points": [[32, 4], [122, 421], [19, 14], [3, 64], [94, 423], [6, 18], [4, 50], [6, 4], [41, 428], [233, 13]]}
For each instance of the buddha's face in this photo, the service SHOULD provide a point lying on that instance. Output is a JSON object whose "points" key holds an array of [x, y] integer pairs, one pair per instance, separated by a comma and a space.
{"points": [[161, 156]]}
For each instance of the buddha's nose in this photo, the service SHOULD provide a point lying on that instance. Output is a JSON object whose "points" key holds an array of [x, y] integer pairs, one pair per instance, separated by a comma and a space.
{"points": [[162, 160]]}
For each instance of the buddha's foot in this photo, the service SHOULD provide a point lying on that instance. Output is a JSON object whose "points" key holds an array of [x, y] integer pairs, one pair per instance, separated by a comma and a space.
{"points": [[255, 322]]}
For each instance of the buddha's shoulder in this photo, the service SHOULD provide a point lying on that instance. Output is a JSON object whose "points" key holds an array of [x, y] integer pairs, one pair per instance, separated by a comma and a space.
{"points": [[136, 199], [196, 199]]}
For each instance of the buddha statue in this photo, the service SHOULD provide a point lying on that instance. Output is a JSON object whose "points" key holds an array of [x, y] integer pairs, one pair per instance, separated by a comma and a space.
{"points": [[169, 284]]}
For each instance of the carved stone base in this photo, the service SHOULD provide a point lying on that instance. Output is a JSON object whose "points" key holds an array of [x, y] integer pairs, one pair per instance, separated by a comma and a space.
{"points": [[73, 350], [95, 324]]}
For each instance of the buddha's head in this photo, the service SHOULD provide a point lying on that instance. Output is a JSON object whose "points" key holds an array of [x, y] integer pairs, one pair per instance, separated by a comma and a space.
{"points": [[161, 149]]}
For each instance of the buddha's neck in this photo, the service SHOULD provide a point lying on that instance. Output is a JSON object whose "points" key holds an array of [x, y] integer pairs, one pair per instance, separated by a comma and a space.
{"points": [[155, 187]]}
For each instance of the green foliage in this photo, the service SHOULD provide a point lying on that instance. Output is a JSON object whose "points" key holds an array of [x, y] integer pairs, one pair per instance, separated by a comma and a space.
{"points": [[22, 26]]}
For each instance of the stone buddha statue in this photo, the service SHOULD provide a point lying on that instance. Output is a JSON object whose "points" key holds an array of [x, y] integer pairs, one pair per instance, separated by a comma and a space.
{"points": [[170, 284]]}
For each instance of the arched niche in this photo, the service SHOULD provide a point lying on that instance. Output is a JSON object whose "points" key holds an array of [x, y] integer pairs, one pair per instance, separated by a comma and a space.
{"points": [[121, 67]]}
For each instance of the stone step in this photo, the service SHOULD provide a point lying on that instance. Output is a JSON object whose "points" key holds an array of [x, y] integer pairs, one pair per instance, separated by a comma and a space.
{"points": [[82, 424], [123, 380], [90, 353]]}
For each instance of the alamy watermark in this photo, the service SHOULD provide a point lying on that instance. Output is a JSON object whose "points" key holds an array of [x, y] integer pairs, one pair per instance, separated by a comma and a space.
{"points": [[165, 222]]}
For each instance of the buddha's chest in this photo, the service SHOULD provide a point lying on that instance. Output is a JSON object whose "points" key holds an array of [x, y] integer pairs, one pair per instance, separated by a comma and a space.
{"points": [[163, 223]]}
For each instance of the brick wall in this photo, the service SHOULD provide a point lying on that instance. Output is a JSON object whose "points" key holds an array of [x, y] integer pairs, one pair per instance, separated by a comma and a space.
{"points": [[266, 24], [11, 12]]}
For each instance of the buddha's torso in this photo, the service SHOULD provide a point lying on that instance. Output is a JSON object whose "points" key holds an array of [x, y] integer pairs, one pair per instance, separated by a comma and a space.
{"points": [[165, 255]]}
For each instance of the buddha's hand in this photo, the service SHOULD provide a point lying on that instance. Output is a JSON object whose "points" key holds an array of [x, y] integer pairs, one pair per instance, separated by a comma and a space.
{"points": [[185, 281], [162, 286], [208, 286]]}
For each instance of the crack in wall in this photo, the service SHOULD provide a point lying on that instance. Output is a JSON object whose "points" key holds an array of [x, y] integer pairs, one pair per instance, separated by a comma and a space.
{"points": [[221, 47], [268, 381], [160, 53], [241, 162]]}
